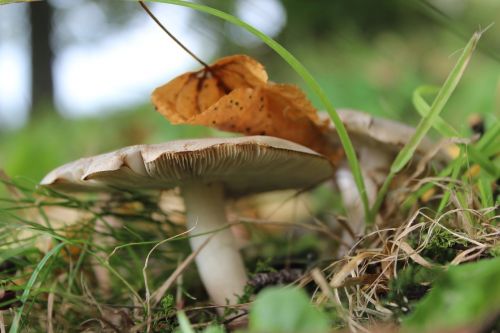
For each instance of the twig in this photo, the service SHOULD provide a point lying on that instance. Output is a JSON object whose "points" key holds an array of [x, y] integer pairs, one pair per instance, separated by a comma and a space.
{"points": [[50, 310], [143, 5], [2, 322], [158, 294], [144, 273]]}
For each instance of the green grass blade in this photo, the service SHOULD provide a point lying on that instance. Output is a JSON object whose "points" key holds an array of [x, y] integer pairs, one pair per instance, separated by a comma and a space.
{"points": [[306, 76], [447, 130], [484, 162], [184, 324], [423, 108], [485, 193], [454, 176], [427, 122], [437, 106], [490, 138], [24, 297]]}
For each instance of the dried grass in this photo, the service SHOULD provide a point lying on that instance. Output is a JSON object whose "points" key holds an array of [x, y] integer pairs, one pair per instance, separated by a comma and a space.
{"points": [[355, 287]]}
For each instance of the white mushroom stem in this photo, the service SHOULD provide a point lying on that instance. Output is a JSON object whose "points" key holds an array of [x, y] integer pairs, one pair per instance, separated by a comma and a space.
{"points": [[219, 263], [374, 167]]}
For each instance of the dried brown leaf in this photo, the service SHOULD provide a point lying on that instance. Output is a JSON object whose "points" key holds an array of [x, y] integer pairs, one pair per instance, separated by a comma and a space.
{"points": [[192, 93], [234, 95]]}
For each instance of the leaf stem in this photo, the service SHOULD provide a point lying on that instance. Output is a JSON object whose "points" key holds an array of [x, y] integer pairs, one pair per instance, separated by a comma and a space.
{"points": [[143, 5]]}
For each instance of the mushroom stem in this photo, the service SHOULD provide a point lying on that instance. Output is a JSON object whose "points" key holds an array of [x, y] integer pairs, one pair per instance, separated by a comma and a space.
{"points": [[353, 205], [220, 264], [374, 167]]}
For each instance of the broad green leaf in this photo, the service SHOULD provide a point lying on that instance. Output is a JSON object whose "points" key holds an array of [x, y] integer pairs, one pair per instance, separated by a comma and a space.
{"points": [[286, 310], [465, 295]]}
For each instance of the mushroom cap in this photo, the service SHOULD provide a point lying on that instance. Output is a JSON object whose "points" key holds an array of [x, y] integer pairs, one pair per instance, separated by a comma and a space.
{"points": [[243, 164], [367, 130]]}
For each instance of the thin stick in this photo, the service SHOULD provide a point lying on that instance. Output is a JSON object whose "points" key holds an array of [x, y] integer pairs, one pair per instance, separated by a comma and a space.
{"points": [[143, 5], [144, 274], [50, 310], [2, 322], [160, 292]]}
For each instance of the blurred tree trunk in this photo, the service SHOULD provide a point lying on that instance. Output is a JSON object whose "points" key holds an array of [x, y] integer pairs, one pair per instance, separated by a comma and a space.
{"points": [[42, 57]]}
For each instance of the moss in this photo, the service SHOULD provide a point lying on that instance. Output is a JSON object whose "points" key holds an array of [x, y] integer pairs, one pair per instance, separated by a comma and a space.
{"points": [[411, 284], [443, 246], [495, 251]]}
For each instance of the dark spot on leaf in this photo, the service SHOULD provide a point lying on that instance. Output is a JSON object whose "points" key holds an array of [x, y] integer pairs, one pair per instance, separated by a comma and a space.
{"points": [[248, 129]]}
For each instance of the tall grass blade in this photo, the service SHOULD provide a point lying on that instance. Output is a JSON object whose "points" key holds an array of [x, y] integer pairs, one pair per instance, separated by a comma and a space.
{"points": [[24, 297], [423, 108], [184, 324], [454, 176], [437, 106], [427, 122], [490, 138], [486, 193], [447, 130]]}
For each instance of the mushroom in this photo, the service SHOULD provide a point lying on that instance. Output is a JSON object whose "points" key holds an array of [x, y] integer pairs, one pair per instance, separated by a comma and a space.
{"points": [[205, 170], [377, 141]]}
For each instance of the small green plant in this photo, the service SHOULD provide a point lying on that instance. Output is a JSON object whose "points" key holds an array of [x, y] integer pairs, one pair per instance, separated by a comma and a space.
{"points": [[410, 285], [286, 310], [443, 246], [495, 251], [185, 325], [165, 319], [168, 304], [468, 294]]}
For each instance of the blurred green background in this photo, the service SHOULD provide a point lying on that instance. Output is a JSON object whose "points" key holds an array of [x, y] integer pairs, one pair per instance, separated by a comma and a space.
{"points": [[368, 55]]}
